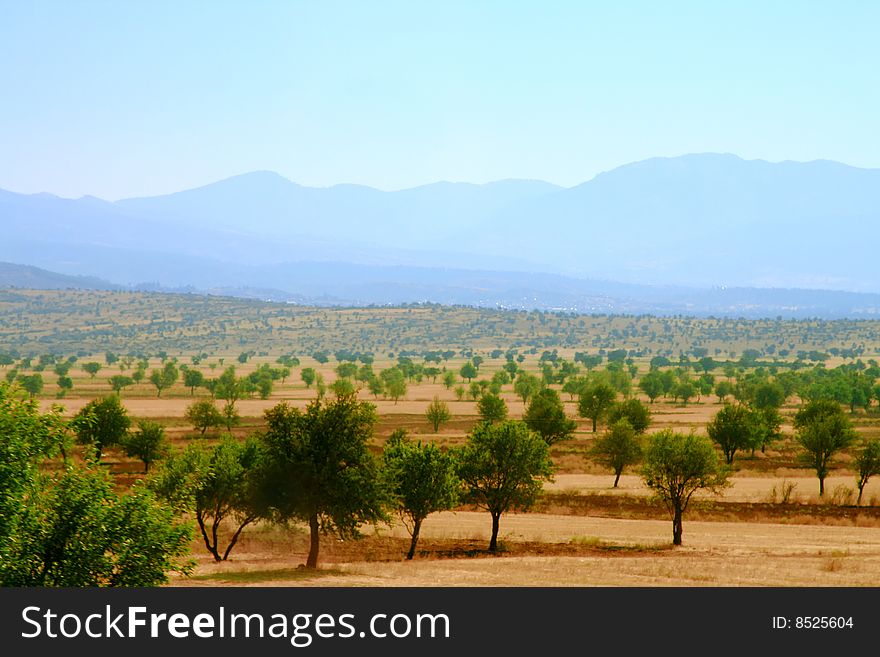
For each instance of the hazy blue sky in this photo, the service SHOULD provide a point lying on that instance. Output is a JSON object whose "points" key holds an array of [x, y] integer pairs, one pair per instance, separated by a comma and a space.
{"points": [[127, 98]]}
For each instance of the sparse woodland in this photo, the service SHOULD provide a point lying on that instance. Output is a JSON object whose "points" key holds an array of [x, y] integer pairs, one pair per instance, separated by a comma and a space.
{"points": [[463, 433]]}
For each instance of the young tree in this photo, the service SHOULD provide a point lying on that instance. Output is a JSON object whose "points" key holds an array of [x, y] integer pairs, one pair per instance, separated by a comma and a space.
{"points": [[492, 408], [422, 479], [733, 429], [343, 387], [65, 384], [502, 467], [147, 443], [723, 389], [676, 465], [617, 448], [215, 484], [822, 429], [31, 383], [634, 411], [164, 378], [231, 416], [120, 381], [395, 383], [867, 464], [346, 370], [101, 423], [684, 390], [320, 470], [459, 392], [437, 413], [203, 415], [449, 379], [652, 384], [468, 371], [545, 415], [307, 374], [376, 386], [526, 386], [193, 379], [595, 400]]}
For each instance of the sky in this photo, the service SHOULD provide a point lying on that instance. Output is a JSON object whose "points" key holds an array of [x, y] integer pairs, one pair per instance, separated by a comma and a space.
{"points": [[119, 99]]}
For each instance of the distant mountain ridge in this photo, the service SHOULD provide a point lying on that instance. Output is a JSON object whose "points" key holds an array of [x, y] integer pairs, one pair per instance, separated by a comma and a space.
{"points": [[706, 221], [342, 284], [25, 276]]}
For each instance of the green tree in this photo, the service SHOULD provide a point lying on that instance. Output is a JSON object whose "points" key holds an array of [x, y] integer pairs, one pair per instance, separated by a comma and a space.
{"points": [[101, 423], [320, 470], [468, 371], [214, 484], [822, 429], [677, 465], [723, 389], [376, 386], [492, 408], [147, 443], [652, 385], [28, 439], [449, 379], [120, 381], [595, 400], [732, 429], [193, 379], [684, 390], [617, 448], [422, 480], [308, 376], [346, 370], [31, 383], [867, 464], [502, 467], [76, 531], [395, 383], [231, 416], [634, 411], [546, 416], [92, 368], [459, 392], [342, 387], [164, 378], [65, 385], [526, 386], [203, 415], [437, 413]]}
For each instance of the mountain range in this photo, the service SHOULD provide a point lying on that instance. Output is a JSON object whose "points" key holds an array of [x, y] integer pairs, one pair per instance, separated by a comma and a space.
{"points": [[677, 233]]}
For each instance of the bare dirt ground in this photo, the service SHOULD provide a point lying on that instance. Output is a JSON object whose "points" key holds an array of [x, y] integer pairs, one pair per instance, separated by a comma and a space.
{"points": [[606, 552]]}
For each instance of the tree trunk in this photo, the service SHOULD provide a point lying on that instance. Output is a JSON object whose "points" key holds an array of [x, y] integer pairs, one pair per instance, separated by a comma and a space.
{"points": [[676, 527], [821, 486], [617, 477], [235, 536], [211, 548], [493, 542], [314, 541], [415, 539], [594, 425], [861, 490]]}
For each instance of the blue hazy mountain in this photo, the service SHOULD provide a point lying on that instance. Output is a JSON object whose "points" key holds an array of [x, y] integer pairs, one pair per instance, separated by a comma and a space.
{"points": [[702, 221]]}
